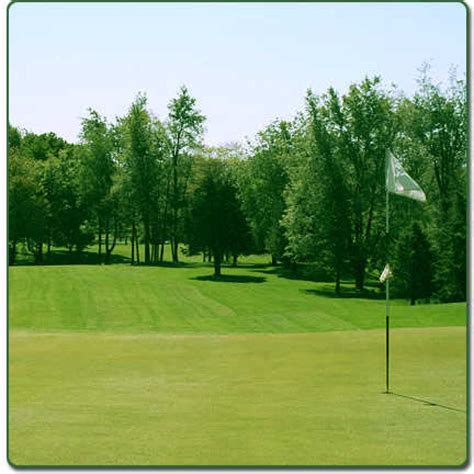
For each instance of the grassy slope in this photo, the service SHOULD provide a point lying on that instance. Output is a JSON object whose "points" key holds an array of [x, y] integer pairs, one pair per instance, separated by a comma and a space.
{"points": [[165, 299], [104, 370], [237, 399]]}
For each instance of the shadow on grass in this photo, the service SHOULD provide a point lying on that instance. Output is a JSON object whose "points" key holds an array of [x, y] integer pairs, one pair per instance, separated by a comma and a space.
{"points": [[426, 402], [67, 258], [290, 274], [330, 292], [248, 265], [310, 273], [230, 279], [92, 258], [327, 286], [172, 265]]}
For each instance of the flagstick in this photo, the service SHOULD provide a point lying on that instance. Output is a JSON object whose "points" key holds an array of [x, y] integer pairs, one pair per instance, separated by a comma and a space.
{"points": [[387, 314], [409, 188]]}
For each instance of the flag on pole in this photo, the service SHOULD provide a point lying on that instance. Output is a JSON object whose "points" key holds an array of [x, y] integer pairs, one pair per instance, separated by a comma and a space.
{"points": [[387, 273], [399, 182]]}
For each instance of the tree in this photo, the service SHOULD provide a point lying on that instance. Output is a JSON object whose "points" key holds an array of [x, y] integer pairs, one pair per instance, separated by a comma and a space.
{"points": [[67, 211], [17, 197], [41, 147], [26, 205], [217, 223], [413, 268], [233, 156], [143, 155], [44, 203], [97, 172], [160, 149], [310, 190], [364, 125], [437, 123], [262, 184], [317, 218], [185, 129]]}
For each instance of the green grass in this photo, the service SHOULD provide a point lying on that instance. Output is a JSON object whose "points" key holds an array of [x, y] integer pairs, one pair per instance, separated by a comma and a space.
{"points": [[167, 299], [163, 366], [238, 399]]}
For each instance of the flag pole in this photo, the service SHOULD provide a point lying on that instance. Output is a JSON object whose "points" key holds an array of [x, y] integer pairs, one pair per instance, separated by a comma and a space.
{"points": [[387, 307], [397, 181]]}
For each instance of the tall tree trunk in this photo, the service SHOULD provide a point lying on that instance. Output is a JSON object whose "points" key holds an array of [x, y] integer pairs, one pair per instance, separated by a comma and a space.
{"points": [[109, 250], [338, 282], [38, 252], [30, 246], [274, 260], [12, 252], [106, 240], [165, 220], [359, 273], [156, 243], [234, 260], [100, 239], [162, 251], [146, 228], [133, 243], [217, 264], [137, 246], [174, 224], [174, 250]]}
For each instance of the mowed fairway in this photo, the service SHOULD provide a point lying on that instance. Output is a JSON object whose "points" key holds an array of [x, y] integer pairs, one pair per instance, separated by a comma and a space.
{"points": [[157, 366]]}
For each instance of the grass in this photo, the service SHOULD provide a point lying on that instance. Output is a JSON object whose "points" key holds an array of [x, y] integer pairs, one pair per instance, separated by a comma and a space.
{"points": [[115, 365], [185, 300], [239, 399]]}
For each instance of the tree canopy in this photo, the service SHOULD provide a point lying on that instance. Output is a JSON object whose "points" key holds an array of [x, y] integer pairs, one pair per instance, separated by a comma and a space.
{"points": [[309, 191]]}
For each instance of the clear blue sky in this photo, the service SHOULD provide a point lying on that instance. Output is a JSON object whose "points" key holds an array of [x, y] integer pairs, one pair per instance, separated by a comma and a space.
{"points": [[245, 63]]}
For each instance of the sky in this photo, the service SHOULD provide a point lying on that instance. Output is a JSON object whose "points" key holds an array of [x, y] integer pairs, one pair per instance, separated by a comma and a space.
{"points": [[246, 64]]}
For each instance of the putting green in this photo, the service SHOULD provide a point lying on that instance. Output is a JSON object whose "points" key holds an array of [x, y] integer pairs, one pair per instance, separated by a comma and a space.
{"points": [[122, 365], [256, 399]]}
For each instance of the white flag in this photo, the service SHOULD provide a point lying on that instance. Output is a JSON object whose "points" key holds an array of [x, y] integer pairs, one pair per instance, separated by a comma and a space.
{"points": [[399, 182], [387, 273]]}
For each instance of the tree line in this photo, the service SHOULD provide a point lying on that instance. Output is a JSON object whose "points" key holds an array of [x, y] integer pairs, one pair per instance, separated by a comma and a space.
{"points": [[308, 191]]}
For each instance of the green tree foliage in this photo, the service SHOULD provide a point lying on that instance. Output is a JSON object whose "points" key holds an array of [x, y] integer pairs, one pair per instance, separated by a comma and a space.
{"points": [[413, 265], [217, 224], [143, 156], [364, 126], [26, 204], [436, 123], [185, 128], [44, 199], [309, 191], [41, 147], [67, 212], [14, 138], [338, 193], [317, 218], [97, 173], [262, 185]]}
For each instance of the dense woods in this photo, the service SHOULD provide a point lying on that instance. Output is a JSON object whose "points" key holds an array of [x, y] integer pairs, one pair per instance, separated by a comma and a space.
{"points": [[310, 192]]}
